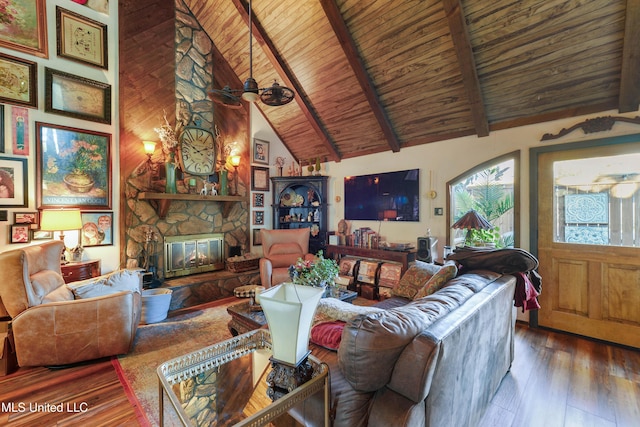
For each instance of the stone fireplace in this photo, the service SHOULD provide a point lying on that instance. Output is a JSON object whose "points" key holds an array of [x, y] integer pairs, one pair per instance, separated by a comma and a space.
{"points": [[190, 254]]}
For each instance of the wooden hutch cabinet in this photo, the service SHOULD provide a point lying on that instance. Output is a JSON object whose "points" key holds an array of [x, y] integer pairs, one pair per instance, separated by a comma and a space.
{"points": [[301, 202]]}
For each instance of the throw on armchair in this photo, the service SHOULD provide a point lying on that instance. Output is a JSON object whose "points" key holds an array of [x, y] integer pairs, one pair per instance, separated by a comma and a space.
{"points": [[58, 324], [281, 249]]}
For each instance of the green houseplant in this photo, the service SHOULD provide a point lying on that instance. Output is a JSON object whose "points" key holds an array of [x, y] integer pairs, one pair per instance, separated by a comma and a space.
{"points": [[290, 307], [319, 272]]}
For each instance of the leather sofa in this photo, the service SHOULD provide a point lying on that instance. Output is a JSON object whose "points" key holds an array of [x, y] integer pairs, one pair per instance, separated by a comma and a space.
{"points": [[434, 361], [58, 324], [281, 249]]}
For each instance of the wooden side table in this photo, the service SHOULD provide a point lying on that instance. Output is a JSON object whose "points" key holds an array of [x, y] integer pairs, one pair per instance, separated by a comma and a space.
{"points": [[82, 270]]}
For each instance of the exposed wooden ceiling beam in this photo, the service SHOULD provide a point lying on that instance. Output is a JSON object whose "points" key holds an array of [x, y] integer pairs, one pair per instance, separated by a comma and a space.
{"points": [[630, 74], [289, 79], [357, 65], [460, 35]]}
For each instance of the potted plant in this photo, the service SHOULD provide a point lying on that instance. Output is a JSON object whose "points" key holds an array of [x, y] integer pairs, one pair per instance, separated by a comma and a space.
{"points": [[290, 307]]}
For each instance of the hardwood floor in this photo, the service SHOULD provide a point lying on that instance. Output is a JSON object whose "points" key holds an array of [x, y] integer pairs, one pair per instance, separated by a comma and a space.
{"points": [[556, 380], [561, 380]]}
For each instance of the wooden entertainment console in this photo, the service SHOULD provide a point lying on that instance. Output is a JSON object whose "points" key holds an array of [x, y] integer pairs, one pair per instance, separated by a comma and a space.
{"points": [[403, 257]]}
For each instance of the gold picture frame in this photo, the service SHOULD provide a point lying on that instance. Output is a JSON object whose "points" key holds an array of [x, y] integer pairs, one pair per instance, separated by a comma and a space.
{"points": [[78, 97], [259, 178], [81, 39], [25, 29], [25, 72]]}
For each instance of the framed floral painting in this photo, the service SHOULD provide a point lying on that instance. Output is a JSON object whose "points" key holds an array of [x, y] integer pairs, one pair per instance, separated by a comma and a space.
{"points": [[24, 26], [73, 167]]}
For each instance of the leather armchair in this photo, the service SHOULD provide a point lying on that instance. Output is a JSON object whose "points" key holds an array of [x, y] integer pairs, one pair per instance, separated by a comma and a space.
{"points": [[50, 326], [281, 249]]}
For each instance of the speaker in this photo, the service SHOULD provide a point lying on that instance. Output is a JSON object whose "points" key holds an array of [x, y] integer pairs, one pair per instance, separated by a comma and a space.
{"points": [[426, 249]]}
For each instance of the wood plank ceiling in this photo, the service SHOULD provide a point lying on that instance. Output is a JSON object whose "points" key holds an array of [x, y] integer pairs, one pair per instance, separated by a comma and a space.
{"points": [[374, 76]]}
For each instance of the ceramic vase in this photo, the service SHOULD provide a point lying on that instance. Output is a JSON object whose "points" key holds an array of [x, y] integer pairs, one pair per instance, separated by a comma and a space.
{"points": [[78, 182], [224, 182], [170, 184]]}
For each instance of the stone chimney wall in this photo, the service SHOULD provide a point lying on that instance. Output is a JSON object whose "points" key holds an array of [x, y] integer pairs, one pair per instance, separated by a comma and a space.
{"points": [[194, 65]]}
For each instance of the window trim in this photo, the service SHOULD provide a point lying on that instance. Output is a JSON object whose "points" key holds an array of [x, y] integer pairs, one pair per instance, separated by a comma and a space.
{"points": [[515, 156]]}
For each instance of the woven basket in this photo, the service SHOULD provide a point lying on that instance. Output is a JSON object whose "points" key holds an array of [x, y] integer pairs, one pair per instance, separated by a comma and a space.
{"points": [[240, 264]]}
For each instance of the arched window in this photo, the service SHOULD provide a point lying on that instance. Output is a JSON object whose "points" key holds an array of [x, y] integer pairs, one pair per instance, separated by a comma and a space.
{"points": [[491, 190]]}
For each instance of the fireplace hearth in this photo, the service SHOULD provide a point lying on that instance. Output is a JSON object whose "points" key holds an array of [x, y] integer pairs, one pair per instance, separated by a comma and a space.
{"points": [[191, 254]]}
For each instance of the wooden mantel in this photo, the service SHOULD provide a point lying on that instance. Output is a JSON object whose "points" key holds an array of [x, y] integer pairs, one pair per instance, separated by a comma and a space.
{"points": [[162, 201]]}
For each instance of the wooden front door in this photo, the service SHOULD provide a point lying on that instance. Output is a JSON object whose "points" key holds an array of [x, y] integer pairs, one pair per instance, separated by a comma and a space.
{"points": [[589, 241]]}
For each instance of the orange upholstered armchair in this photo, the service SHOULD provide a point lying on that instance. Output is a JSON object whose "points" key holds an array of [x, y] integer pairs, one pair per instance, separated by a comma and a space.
{"points": [[281, 249], [55, 323]]}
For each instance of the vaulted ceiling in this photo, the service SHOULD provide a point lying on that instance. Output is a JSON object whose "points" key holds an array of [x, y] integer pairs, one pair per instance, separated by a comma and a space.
{"points": [[380, 75]]}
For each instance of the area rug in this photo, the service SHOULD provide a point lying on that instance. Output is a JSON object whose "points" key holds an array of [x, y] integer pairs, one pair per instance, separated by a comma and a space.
{"points": [[181, 333]]}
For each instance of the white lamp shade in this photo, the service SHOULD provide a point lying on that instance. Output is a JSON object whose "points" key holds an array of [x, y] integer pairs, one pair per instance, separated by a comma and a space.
{"points": [[289, 310], [60, 220]]}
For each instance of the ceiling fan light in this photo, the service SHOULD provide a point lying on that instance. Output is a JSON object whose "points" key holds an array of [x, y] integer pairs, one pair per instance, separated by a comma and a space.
{"points": [[250, 90]]}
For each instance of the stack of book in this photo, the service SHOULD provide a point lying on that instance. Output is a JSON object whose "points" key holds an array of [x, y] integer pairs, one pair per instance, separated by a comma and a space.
{"points": [[365, 237]]}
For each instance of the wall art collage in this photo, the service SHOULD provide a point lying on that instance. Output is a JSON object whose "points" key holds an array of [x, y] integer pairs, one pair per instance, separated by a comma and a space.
{"points": [[72, 163]]}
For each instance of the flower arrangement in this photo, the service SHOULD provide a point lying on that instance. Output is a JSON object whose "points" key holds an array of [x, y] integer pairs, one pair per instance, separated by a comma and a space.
{"points": [[318, 272], [80, 157], [169, 138], [10, 14]]}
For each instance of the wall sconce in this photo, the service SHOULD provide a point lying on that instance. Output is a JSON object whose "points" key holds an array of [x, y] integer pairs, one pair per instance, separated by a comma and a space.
{"points": [[149, 148], [235, 162]]}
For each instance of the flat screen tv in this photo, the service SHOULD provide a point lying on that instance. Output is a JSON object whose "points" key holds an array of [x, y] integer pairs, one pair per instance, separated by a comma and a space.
{"points": [[389, 196]]}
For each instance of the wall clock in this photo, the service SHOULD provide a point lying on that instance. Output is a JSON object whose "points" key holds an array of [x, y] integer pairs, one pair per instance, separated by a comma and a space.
{"points": [[197, 151]]}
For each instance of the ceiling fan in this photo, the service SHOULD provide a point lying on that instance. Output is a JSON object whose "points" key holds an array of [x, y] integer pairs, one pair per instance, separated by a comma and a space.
{"points": [[274, 96]]}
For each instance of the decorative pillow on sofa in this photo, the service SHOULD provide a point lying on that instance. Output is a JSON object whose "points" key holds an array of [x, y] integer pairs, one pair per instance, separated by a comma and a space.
{"points": [[118, 281], [414, 279], [327, 334], [437, 281]]}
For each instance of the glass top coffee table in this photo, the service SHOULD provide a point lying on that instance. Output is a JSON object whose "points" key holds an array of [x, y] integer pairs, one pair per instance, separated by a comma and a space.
{"points": [[225, 384], [245, 318]]}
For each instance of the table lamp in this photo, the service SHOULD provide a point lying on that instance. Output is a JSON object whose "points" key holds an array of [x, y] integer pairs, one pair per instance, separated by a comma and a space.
{"points": [[472, 220], [60, 220], [235, 162]]}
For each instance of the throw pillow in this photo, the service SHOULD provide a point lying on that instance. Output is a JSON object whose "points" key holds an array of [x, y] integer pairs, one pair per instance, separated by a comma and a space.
{"points": [[414, 279], [328, 334], [437, 281], [122, 280]]}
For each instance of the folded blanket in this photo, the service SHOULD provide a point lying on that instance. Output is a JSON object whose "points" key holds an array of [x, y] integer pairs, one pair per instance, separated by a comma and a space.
{"points": [[506, 260]]}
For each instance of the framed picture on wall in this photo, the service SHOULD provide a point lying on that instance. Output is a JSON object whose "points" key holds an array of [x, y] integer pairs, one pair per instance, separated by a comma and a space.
{"points": [[18, 70], [26, 218], [13, 182], [1, 128], [41, 235], [259, 178], [257, 238], [260, 151], [24, 27], [73, 167], [81, 39], [258, 217], [97, 228], [20, 233], [258, 200], [77, 97]]}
